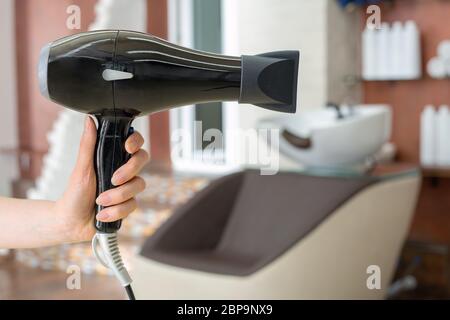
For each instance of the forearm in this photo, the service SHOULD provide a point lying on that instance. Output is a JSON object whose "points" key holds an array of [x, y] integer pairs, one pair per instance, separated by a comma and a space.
{"points": [[30, 223]]}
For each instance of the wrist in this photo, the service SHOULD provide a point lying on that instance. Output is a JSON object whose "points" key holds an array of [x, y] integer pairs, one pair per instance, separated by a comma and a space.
{"points": [[62, 227], [71, 227]]}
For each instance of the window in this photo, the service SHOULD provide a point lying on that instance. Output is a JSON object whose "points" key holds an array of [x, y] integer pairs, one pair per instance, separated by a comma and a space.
{"points": [[200, 25]]}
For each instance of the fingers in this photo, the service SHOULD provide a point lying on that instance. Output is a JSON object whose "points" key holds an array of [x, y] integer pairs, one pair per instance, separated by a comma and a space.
{"points": [[119, 211], [130, 169], [87, 146], [122, 193], [120, 201], [134, 143]]}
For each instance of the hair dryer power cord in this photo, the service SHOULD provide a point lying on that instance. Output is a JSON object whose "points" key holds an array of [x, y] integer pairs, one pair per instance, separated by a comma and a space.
{"points": [[111, 259]]}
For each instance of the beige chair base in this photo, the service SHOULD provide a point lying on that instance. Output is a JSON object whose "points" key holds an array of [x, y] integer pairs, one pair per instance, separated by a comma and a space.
{"points": [[330, 263]]}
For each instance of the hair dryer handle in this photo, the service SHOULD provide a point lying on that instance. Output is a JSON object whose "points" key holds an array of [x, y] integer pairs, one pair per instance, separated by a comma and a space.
{"points": [[110, 155]]}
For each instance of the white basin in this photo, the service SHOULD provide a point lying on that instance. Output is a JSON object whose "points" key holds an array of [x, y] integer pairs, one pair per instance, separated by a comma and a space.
{"points": [[320, 139]]}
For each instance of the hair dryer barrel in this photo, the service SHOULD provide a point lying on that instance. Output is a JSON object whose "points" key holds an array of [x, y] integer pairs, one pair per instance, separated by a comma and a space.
{"points": [[166, 75], [138, 73]]}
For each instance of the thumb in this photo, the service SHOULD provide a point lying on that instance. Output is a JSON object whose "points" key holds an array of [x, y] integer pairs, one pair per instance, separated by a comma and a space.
{"points": [[87, 147]]}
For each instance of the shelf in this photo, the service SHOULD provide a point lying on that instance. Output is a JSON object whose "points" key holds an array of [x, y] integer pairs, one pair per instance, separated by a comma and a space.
{"points": [[436, 171]]}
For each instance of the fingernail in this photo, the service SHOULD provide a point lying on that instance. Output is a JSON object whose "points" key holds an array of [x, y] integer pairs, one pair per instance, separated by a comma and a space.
{"points": [[132, 143], [116, 179], [103, 199], [102, 215]]}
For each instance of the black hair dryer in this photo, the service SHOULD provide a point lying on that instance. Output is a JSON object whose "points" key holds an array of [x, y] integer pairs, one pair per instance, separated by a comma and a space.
{"points": [[119, 75]]}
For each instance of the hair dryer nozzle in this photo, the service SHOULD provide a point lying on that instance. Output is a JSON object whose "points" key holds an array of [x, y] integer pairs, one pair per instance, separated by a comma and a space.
{"points": [[269, 80]]}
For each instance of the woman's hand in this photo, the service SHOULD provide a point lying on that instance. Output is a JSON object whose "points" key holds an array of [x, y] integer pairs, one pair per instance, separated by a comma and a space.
{"points": [[75, 209]]}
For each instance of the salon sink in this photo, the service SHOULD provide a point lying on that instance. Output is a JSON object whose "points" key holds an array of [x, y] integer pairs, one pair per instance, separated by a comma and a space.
{"points": [[323, 139]]}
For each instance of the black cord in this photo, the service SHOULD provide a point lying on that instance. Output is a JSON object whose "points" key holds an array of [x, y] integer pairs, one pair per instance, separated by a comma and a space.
{"points": [[130, 292]]}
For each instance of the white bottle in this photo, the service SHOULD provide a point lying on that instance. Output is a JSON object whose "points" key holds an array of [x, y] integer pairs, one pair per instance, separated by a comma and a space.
{"points": [[369, 54], [397, 50], [447, 67], [444, 49], [383, 52], [444, 56], [413, 56], [443, 136], [437, 68], [428, 136]]}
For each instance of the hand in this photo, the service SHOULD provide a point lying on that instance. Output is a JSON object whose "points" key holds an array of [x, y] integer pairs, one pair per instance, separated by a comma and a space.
{"points": [[76, 207]]}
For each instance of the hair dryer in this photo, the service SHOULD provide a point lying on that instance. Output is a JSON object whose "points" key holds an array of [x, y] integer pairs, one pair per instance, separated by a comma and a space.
{"points": [[118, 75]]}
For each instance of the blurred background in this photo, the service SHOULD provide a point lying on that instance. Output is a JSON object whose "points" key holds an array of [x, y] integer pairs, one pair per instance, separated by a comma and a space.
{"points": [[348, 61]]}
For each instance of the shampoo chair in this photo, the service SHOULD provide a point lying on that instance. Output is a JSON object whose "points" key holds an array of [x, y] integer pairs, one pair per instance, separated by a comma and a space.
{"points": [[286, 236]]}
